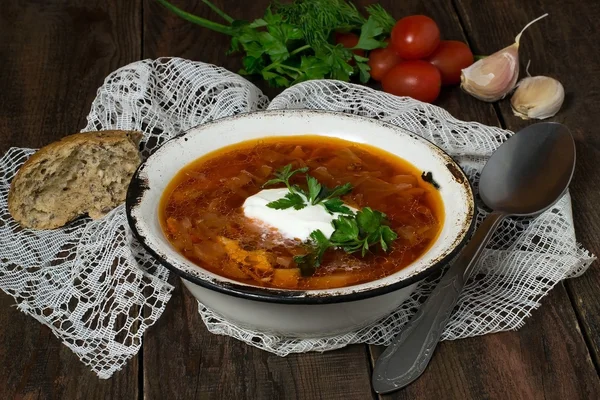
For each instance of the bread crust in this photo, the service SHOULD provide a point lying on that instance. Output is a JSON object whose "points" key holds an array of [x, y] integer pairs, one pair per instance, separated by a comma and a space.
{"points": [[104, 139]]}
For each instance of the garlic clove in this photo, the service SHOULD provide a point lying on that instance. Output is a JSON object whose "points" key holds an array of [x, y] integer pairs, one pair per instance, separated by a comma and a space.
{"points": [[537, 97], [493, 77]]}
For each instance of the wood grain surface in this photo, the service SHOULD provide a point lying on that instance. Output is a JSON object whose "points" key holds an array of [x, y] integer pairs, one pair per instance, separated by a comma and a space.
{"points": [[564, 46], [54, 56], [56, 53]]}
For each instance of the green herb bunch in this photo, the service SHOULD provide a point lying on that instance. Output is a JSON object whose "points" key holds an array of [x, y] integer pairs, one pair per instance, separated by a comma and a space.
{"points": [[353, 232], [292, 42]]}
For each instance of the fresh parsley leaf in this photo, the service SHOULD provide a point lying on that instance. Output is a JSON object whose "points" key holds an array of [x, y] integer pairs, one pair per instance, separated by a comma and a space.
{"points": [[257, 23], [363, 70], [288, 201], [369, 220], [313, 68], [274, 79], [337, 57], [298, 189], [322, 244], [273, 47], [359, 232], [279, 29], [312, 260], [306, 264], [340, 190], [253, 65], [291, 32], [284, 174], [314, 188], [368, 33], [365, 248], [346, 229], [247, 35], [387, 237], [271, 18], [336, 205], [254, 49]]}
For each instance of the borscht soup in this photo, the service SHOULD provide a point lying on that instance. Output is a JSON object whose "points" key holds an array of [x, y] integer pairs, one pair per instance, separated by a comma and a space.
{"points": [[301, 212]]}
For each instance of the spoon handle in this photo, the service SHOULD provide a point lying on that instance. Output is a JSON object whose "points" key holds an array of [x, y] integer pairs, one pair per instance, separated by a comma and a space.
{"points": [[408, 355]]}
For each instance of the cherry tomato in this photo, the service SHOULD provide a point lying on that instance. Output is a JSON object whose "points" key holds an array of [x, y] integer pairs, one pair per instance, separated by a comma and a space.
{"points": [[415, 37], [450, 58], [349, 40], [416, 78], [381, 61]]}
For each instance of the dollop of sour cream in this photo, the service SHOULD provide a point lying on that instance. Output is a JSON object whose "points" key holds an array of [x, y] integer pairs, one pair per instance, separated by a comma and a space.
{"points": [[291, 223]]}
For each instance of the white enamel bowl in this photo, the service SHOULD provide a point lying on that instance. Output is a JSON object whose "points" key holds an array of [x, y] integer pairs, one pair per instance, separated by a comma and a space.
{"points": [[311, 313]]}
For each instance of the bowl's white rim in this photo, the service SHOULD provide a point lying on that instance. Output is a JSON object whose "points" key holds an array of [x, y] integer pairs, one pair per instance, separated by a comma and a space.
{"points": [[138, 186]]}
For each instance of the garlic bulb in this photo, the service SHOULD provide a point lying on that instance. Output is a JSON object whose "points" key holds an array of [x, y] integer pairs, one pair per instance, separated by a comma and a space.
{"points": [[537, 97], [493, 77]]}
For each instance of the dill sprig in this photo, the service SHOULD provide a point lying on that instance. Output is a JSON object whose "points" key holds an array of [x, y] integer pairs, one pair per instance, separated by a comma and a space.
{"points": [[318, 18]]}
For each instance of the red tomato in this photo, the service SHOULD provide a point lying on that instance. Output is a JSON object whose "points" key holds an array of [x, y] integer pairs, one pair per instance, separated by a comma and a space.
{"points": [[349, 40], [450, 58], [381, 61], [417, 79], [415, 37]]}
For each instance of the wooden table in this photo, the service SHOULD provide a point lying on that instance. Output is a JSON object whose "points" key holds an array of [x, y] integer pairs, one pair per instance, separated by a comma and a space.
{"points": [[54, 55]]}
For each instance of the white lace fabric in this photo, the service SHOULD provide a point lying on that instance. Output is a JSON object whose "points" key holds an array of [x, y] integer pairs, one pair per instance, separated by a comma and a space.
{"points": [[97, 290]]}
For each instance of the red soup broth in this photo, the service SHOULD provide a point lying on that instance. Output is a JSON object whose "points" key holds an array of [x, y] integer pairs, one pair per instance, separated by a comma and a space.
{"points": [[201, 211]]}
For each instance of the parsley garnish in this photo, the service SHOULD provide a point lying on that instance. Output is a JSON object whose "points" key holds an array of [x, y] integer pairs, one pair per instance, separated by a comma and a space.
{"points": [[352, 234], [292, 42], [316, 192], [309, 262], [289, 200], [283, 175]]}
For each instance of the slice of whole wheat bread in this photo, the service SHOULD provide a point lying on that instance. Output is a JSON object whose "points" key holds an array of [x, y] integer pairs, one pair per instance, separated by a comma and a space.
{"points": [[84, 173]]}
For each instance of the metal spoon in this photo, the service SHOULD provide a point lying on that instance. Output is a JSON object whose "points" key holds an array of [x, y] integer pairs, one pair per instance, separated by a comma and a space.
{"points": [[524, 177]]}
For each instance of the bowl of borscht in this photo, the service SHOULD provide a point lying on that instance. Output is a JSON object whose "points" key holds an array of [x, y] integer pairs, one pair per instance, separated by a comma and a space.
{"points": [[300, 223]]}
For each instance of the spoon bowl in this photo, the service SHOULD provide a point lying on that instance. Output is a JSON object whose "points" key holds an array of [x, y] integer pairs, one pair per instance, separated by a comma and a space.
{"points": [[530, 171]]}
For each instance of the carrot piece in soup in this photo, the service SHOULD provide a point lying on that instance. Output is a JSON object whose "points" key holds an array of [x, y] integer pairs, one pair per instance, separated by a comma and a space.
{"points": [[286, 277]]}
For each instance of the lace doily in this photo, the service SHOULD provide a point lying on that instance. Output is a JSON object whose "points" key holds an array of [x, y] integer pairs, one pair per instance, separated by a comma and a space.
{"points": [[98, 291]]}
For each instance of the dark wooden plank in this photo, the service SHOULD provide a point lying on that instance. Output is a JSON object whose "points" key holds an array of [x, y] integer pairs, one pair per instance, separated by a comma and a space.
{"points": [[562, 46], [166, 35], [182, 360], [469, 368], [546, 359], [36, 365], [55, 55]]}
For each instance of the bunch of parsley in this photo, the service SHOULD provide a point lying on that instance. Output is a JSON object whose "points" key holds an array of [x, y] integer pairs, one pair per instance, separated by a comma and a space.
{"points": [[292, 42]]}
